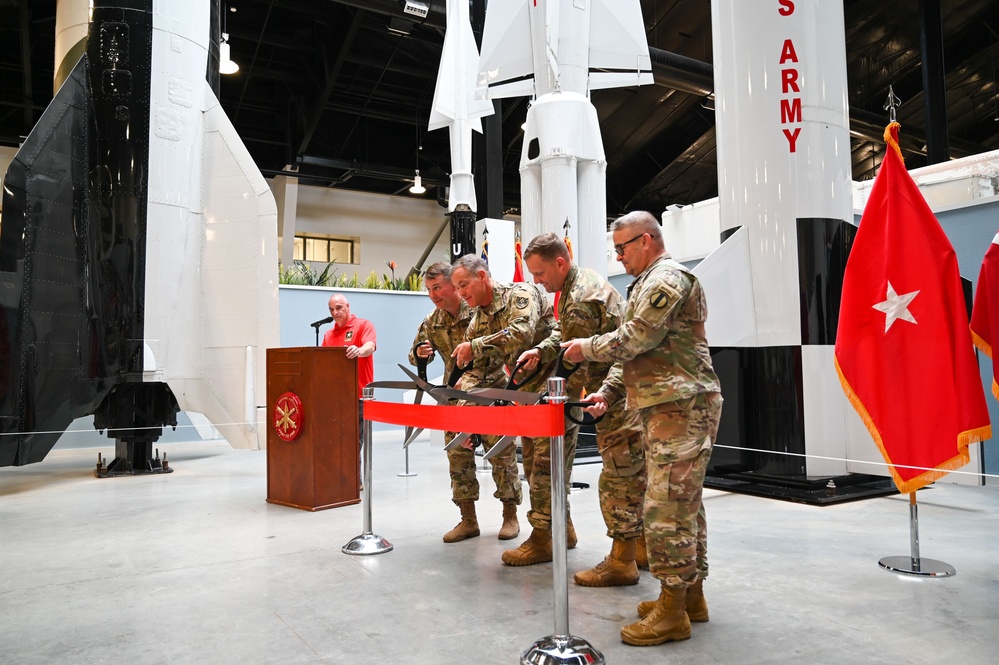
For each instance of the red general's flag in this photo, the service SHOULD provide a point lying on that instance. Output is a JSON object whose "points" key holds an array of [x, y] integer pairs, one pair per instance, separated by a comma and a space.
{"points": [[518, 260], [985, 316], [903, 348]]}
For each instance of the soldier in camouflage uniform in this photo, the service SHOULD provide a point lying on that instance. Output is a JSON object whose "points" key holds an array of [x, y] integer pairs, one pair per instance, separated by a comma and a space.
{"points": [[507, 319], [664, 368], [589, 306], [441, 332]]}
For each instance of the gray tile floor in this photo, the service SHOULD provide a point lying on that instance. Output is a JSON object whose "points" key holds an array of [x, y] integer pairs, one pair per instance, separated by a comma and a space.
{"points": [[195, 567]]}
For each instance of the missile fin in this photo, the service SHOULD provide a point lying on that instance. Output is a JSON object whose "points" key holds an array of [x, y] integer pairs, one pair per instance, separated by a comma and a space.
{"points": [[506, 66], [619, 50], [52, 367], [454, 96]]}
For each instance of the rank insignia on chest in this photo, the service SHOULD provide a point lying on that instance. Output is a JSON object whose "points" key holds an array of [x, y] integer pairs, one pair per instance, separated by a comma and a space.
{"points": [[659, 299], [349, 336], [521, 302]]}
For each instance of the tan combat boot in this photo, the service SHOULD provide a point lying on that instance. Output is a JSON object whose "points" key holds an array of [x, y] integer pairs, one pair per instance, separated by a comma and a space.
{"points": [[468, 527], [570, 533], [617, 569], [641, 553], [511, 527], [667, 622], [696, 605], [536, 549]]}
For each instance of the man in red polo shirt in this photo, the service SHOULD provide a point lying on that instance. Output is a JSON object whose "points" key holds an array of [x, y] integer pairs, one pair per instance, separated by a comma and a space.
{"points": [[355, 333]]}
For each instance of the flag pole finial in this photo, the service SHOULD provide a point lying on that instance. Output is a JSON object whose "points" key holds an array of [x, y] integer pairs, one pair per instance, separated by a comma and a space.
{"points": [[892, 103]]}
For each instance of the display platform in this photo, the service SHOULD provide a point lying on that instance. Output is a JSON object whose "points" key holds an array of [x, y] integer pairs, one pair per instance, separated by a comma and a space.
{"points": [[813, 490]]}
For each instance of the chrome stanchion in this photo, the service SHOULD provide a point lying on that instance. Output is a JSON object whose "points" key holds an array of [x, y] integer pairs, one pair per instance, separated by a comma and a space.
{"points": [[914, 564], [406, 473], [367, 542], [485, 468], [560, 647]]}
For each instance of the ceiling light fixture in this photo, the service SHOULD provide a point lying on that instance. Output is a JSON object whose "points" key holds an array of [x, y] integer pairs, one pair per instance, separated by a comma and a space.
{"points": [[226, 64], [417, 187]]}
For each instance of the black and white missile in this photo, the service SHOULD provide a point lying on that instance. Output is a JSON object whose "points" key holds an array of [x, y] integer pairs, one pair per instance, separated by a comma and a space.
{"points": [[138, 270]]}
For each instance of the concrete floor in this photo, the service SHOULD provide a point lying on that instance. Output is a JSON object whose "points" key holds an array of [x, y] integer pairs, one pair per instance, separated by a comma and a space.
{"points": [[195, 567]]}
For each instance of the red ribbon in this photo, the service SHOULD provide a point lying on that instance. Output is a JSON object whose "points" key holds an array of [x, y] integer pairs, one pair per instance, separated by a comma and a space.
{"points": [[537, 420]]}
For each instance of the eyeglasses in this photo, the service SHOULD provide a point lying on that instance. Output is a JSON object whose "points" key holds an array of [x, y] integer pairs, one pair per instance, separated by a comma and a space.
{"points": [[619, 249]]}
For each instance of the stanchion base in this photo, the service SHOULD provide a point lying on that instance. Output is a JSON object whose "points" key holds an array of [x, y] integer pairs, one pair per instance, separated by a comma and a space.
{"points": [[555, 649], [922, 566], [367, 543], [406, 474]]}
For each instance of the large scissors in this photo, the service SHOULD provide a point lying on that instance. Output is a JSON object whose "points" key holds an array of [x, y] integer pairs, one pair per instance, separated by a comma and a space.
{"points": [[564, 370]]}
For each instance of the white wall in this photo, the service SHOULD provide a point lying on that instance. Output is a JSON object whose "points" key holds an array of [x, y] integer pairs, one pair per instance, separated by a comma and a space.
{"points": [[390, 228]]}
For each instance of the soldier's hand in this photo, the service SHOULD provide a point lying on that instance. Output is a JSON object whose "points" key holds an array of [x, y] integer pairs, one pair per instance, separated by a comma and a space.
{"points": [[424, 350], [598, 404], [573, 350], [463, 354], [530, 358]]}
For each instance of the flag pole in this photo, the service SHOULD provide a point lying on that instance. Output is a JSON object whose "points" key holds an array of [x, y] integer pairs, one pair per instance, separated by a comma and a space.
{"points": [[914, 564]]}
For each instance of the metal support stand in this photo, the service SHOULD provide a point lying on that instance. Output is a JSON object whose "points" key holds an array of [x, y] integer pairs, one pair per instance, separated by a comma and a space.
{"points": [[406, 473], [485, 468], [367, 542], [914, 564], [560, 647]]}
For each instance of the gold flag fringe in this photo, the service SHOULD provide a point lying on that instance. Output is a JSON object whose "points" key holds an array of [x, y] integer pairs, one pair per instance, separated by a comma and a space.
{"points": [[985, 348], [892, 142], [982, 345], [964, 439]]}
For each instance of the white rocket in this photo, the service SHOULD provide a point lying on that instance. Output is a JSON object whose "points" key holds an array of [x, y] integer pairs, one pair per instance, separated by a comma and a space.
{"points": [[455, 105], [557, 51], [784, 181], [139, 259]]}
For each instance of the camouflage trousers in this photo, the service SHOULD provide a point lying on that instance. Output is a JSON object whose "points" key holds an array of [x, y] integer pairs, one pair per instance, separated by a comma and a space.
{"points": [[622, 480], [537, 455], [678, 440], [465, 484]]}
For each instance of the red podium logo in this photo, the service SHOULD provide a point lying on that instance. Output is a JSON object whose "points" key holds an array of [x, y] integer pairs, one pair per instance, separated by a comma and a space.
{"points": [[288, 416]]}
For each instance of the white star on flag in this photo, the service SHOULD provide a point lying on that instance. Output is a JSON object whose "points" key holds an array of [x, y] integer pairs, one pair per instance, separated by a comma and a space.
{"points": [[896, 306]]}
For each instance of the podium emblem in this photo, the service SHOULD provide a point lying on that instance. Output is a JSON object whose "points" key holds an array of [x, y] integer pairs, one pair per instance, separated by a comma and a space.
{"points": [[288, 416]]}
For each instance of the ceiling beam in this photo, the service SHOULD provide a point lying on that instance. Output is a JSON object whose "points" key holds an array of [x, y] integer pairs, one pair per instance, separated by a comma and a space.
{"points": [[380, 171], [25, 16], [320, 105]]}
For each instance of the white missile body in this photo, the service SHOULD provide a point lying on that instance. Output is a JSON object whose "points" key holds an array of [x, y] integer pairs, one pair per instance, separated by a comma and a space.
{"points": [[557, 51], [211, 271], [455, 105], [785, 200]]}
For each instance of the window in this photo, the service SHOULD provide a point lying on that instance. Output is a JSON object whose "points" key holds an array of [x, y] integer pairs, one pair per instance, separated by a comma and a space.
{"points": [[324, 249]]}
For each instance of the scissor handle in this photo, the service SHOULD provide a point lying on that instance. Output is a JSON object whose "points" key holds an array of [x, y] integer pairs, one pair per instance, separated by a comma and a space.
{"points": [[561, 370], [421, 363], [513, 384], [587, 419], [456, 373]]}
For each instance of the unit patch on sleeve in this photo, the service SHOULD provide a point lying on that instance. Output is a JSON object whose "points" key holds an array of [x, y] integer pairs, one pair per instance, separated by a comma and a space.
{"points": [[659, 299]]}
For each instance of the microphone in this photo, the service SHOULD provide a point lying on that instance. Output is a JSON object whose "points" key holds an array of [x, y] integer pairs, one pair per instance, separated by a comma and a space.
{"points": [[321, 322]]}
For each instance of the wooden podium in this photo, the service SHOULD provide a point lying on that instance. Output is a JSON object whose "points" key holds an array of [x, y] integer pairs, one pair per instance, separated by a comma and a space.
{"points": [[312, 428]]}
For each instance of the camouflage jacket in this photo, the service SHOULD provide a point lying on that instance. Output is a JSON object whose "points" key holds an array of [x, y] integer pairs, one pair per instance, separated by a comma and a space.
{"points": [[518, 319], [661, 347], [445, 332], [588, 306]]}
